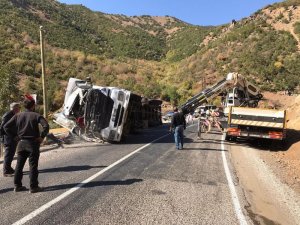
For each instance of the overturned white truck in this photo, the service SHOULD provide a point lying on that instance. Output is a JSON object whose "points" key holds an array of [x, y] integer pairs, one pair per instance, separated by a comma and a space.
{"points": [[105, 113]]}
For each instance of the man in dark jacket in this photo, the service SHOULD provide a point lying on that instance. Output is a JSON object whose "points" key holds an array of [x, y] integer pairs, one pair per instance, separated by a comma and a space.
{"points": [[26, 126], [9, 142], [178, 124]]}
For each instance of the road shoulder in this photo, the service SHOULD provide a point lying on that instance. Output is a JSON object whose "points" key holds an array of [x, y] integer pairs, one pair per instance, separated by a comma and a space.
{"points": [[270, 200]]}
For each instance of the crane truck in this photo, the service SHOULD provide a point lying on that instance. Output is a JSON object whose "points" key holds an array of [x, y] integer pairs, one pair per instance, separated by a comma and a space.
{"points": [[242, 118]]}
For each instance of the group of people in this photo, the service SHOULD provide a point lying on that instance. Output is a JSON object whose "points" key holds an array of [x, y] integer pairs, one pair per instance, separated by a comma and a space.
{"points": [[178, 124], [210, 118], [21, 134]]}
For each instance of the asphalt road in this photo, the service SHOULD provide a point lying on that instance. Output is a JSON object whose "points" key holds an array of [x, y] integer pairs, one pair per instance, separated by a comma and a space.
{"points": [[156, 184]]}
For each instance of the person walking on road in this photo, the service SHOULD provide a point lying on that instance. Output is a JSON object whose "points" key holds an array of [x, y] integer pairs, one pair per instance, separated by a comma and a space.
{"points": [[215, 119], [9, 142], [178, 124], [26, 126]]}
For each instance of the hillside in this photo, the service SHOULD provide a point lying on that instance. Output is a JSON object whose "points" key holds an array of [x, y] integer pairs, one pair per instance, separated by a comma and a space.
{"points": [[160, 57], [262, 47]]}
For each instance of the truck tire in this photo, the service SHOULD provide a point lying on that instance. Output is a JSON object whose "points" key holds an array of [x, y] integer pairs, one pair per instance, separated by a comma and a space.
{"points": [[227, 138], [230, 138], [233, 138]]}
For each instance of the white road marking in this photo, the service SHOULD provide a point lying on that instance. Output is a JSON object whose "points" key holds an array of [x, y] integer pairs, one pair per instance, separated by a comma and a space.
{"points": [[77, 187], [234, 196]]}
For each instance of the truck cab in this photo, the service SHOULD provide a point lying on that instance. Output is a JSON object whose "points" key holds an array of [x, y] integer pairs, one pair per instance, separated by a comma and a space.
{"points": [[234, 98]]}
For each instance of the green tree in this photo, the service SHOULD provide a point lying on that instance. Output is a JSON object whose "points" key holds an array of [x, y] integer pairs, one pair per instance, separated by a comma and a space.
{"points": [[170, 94], [8, 88]]}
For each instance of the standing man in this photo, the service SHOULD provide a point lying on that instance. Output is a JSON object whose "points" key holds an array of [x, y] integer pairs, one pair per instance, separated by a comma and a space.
{"points": [[178, 124], [9, 142], [26, 126]]}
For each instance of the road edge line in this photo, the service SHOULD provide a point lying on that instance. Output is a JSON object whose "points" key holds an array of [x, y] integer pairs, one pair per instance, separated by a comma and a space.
{"points": [[234, 196]]}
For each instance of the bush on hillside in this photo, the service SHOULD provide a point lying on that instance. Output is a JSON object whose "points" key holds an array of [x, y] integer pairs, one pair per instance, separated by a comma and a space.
{"points": [[8, 88]]}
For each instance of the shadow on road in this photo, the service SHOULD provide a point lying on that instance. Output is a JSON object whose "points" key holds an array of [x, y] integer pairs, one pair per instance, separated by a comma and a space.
{"points": [[5, 190], [149, 135], [203, 149], [204, 140], [293, 136], [93, 184], [89, 144], [88, 185], [67, 169]]}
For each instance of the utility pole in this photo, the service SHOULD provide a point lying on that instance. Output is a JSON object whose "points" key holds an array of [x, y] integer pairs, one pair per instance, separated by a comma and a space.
{"points": [[43, 73], [203, 82]]}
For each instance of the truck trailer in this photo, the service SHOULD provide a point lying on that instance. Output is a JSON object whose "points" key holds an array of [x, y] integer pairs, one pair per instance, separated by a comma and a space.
{"points": [[105, 113]]}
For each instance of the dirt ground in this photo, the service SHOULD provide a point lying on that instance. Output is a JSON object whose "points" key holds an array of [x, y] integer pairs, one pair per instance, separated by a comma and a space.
{"points": [[269, 200], [270, 171]]}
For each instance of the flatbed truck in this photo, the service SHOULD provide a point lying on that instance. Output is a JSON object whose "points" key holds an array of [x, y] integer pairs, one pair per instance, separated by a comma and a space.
{"points": [[256, 123]]}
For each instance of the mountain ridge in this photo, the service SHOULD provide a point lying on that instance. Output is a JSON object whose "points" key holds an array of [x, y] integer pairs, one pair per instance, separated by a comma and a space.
{"points": [[160, 57]]}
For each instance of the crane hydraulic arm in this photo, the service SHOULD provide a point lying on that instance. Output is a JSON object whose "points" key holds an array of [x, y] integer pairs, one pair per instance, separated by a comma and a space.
{"points": [[251, 93]]}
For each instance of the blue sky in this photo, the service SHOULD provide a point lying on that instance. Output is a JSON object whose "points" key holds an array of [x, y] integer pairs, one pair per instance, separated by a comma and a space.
{"points": [[197, 12]]}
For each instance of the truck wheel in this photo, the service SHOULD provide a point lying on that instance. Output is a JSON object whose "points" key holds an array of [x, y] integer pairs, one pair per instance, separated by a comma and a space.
{"points": [[227, 138], [230, 138], [233, 138]]}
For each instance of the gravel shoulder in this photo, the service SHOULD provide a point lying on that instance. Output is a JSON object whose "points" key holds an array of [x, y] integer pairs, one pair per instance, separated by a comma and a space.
{"points": [[271, 200]]}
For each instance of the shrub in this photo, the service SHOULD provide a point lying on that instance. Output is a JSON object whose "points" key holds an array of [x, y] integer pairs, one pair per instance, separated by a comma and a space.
{"points": [[8, 88]]}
